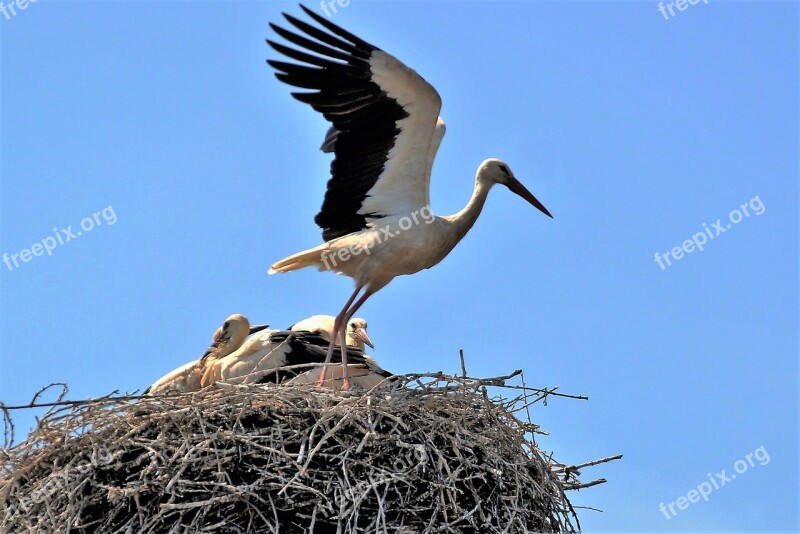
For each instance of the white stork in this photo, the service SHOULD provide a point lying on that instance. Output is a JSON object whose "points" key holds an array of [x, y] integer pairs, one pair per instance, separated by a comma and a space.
{"points": [[278, 355], [226, 339], [376, 218]]}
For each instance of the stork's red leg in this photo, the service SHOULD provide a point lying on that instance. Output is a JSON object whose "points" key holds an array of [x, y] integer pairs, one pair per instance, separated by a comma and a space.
{"points": [[348, 316], [337, 326]]}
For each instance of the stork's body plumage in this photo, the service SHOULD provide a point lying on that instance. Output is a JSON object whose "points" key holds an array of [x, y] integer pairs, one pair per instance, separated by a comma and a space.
{"points": [[387, 258], [376, 218], [363, 372]]}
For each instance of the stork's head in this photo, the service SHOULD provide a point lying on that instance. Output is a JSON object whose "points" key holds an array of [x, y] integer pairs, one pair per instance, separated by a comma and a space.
{"points": [[232, 334], [496, 171], [355, 335]]}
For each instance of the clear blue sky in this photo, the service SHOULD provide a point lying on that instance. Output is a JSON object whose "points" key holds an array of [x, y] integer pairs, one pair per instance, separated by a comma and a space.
{"points": [[632, 129]]}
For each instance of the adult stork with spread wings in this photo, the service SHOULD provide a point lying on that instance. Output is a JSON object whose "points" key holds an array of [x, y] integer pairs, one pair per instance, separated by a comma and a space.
{"points": [[376, 218]]}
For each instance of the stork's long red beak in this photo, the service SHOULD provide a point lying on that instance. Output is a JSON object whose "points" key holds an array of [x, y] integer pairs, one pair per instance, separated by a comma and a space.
{"points": [[517, 187]]}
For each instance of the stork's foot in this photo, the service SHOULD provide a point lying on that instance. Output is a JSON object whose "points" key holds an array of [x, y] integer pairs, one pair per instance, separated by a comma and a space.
{"points": [[321, 379]]}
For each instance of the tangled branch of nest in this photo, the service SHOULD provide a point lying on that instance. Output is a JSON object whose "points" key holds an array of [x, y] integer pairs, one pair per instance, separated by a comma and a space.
{"points": [[430, 454]]}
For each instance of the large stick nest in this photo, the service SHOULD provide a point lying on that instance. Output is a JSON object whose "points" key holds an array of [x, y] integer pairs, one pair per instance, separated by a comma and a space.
{"points": [[433, 455]]}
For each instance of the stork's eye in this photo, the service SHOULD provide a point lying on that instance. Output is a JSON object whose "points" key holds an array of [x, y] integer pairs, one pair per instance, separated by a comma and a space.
{"points": [[353, 326], [505, 170]]}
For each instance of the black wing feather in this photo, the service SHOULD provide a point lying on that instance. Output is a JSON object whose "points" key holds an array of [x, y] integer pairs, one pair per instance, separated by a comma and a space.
{"points": [[362, 113]]}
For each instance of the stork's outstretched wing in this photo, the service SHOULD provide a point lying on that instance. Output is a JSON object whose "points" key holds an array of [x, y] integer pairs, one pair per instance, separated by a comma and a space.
{"points": [[385, 117]]}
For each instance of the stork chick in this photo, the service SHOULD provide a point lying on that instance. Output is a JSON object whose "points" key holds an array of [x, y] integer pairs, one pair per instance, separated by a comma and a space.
{"points": [[226, 339]]}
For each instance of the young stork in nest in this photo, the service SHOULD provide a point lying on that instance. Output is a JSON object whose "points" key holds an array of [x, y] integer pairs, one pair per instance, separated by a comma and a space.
{"points": [[364, 372], [376, 218], [226, 339], [279, 355]]}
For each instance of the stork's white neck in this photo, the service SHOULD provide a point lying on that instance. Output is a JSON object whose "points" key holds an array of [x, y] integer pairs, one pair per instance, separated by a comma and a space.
{"points": [[465, 219]]}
